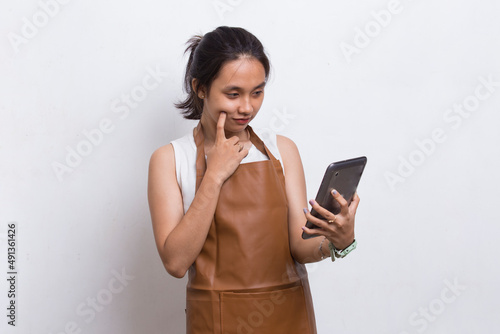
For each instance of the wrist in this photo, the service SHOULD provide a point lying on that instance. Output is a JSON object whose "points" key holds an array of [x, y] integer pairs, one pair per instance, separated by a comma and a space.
{"points": [[341, 253], [324, 251], [341, 245], [214, 178]]}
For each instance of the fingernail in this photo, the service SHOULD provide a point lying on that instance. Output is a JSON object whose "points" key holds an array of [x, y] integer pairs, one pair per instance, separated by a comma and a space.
{"points": [[312, 202], [334, 192], [303, 228], [305, 210]]}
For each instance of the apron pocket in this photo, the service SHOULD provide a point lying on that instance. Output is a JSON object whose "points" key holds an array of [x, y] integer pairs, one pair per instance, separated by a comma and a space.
{"points": [[202, 316], [270, 312]]}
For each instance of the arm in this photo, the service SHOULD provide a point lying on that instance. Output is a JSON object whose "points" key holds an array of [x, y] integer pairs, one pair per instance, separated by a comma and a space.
{"points": [[340, 233], [180, 238]]}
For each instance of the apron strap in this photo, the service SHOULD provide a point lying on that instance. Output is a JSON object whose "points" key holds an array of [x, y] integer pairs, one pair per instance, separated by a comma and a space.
{"points": [[200, 154], [259, 144]]}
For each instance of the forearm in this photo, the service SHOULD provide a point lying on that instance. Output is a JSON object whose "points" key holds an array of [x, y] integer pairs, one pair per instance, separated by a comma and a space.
{"points": [[309, 251], [186, 240]]}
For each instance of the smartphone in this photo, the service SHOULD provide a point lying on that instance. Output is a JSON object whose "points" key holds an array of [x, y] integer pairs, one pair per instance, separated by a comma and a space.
{"points": [[342, 176]]}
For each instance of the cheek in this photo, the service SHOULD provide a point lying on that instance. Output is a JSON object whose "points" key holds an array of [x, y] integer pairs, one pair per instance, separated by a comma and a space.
{"points": [[259, 102], [215, 107], [218, 105]]}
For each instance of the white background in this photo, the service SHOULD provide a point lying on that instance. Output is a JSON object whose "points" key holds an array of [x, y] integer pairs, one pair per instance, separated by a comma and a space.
{"points": [[439, 227]]}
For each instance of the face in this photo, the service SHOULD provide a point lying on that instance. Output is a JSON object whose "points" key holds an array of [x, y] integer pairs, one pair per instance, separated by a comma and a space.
{"points": [[238, 90]]}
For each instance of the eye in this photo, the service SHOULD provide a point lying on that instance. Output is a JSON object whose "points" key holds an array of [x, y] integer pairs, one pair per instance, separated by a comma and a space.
{"points": [[232, 95], [259, 92]]}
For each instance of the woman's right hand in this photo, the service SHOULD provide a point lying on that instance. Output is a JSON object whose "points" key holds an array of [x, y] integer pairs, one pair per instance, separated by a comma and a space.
{"points": [[225, 155]]}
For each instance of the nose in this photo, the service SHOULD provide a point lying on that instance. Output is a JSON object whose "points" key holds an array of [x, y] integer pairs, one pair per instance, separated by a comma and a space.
{"points": [[245, 106]]}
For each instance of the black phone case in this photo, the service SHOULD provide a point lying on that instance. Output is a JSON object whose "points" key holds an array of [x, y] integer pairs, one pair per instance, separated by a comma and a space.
{"points": [[343, 176]]}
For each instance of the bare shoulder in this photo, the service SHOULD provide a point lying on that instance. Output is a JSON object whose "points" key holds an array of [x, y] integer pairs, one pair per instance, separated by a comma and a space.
{"points": [[162, 156], [287, 147], [162, 183], [162, 164], [290, 156]]}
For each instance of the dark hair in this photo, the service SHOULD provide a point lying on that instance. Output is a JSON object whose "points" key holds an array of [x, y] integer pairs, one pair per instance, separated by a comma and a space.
{"points": [[208, 54]]}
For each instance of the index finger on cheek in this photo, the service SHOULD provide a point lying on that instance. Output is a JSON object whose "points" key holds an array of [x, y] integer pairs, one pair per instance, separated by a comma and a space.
{"points": [[220, 126]]}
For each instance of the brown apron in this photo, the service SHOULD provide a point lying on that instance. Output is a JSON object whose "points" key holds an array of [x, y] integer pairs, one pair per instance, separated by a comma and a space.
{"points": [[245, 279]]}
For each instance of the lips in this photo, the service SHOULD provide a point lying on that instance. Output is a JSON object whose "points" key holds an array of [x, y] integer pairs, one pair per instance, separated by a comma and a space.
{"points": [[242, 120]]}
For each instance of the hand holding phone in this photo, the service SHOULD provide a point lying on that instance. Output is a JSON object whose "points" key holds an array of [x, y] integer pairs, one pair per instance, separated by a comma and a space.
{"points": [[343, 176]]}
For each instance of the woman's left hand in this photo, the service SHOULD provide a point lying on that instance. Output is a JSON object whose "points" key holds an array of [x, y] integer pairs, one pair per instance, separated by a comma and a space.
{"points": [[338, 229]]}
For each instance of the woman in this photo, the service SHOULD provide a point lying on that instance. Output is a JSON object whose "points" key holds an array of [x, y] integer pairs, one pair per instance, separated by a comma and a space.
{"points": [[222, 208]]}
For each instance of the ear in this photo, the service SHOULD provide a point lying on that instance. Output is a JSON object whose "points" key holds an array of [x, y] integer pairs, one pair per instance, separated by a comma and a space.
{"points": [[200, 91]]}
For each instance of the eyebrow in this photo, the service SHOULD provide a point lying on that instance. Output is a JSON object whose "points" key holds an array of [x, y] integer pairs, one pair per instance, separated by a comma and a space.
{"points": [[239, 88]]}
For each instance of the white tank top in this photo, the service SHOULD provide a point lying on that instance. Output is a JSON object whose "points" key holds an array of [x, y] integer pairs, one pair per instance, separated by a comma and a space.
{"points": [[185, 161]]}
